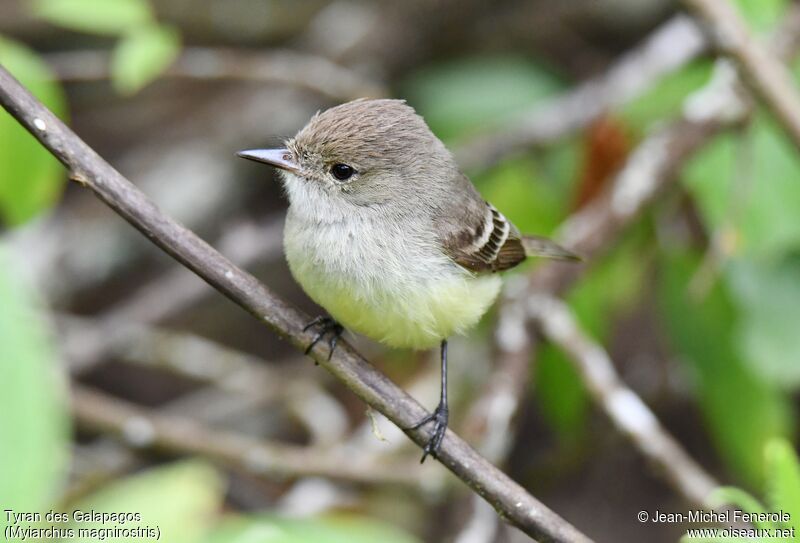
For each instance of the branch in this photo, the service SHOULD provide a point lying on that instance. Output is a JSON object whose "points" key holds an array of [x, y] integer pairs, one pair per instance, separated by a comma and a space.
{"points": [[650, 169], [290, 67], [140, 428], [625, 409], [765, 75], [672, 45], [241, 382], [90, 170]]}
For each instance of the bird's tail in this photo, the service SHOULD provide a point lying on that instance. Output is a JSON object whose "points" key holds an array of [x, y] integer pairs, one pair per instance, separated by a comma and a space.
{"points": [[543, 247]]}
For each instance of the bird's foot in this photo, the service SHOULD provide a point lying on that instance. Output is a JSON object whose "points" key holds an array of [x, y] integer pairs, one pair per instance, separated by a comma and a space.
{"points": [[326, 326], [439, 418]]}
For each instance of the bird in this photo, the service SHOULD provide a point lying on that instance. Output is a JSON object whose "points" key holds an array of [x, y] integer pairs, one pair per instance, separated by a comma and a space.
{"points": [[386, 234]]}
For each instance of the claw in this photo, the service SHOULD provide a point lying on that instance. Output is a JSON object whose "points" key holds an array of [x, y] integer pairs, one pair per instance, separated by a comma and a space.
{"points": [[327, 325], [317, 320], [439, 416]]}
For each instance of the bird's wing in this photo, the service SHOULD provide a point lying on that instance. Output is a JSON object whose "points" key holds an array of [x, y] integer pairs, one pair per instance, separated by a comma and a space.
{"points": [[482, 240]]}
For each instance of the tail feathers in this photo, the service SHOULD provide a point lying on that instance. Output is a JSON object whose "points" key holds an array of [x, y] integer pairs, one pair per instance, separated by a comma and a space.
{"points": [[543, 247]]}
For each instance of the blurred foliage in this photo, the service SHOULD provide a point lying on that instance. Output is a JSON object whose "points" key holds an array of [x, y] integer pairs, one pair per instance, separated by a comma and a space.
{"points": [[768, 298], [748, 183], [145, 48], [743, 411], [328, 529], [725, 337], [665, 99], [142, 55], [782, 492], [459, 97], [182, 502], [736, 340], [30, 178], [96, 16], [180, 499], [762, 15], [34, 424], [608, 290]]}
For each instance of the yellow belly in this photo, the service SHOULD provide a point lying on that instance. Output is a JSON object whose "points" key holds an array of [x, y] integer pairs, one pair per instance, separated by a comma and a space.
{"points": [[417, 317]]}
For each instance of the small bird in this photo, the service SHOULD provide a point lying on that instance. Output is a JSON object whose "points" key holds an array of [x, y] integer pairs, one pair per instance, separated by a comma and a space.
{"points": [[388, 236]]}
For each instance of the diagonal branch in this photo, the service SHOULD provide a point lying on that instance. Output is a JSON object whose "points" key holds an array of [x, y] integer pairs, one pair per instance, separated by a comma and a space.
{"points": [[625, 409], [89, 169], [673, 45], [650, 170], [767, 76]]}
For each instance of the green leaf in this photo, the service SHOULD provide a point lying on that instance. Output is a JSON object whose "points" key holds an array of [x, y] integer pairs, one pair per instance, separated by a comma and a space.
{"points": [[180, 499], [110, 17], [31, 180], [461, 96], [142, 55], [742, 500], [331, 529], [783, 479], [730, 495], [768, 299], [742, 411], [763, 206], [665, 100], [762, 15], [34, 427]]}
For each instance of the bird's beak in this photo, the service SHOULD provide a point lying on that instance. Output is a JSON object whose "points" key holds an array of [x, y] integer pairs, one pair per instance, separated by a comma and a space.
{"points": [[280, 158]]}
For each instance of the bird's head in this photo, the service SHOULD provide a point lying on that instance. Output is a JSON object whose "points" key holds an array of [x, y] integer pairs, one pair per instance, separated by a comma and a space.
{"points": [[365, 153]]}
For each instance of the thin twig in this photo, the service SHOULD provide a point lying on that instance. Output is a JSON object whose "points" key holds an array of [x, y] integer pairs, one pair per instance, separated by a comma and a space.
{"points": [[672, 45], [140, 428], [762, 71], [290, 67], [173, 291], [90, 170], [244, 380], [625, 409]]}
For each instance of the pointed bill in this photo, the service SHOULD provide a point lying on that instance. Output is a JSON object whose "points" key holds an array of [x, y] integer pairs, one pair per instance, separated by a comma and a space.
{"points": [[280, 158]]}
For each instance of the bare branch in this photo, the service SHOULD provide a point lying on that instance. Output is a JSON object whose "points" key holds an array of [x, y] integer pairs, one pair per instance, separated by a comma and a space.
{"points": [[242, 382], [765, 75], [625, 409], [142, 429], [650, 169], [289, 67], [89, 169], [671, 46]]}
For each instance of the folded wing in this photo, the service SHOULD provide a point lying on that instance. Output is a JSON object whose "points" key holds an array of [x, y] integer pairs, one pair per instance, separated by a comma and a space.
{"points": [[485, 241]]}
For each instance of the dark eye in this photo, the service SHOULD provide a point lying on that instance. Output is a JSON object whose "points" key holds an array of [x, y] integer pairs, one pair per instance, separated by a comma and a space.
{"points": [[342, 172]]}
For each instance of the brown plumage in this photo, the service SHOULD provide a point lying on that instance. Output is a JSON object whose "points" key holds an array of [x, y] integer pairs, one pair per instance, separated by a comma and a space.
{"points": [[480, 238], [379, 138], [386, 234]]}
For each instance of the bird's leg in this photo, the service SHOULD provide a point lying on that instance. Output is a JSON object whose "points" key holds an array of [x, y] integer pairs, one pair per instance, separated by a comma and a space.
{"points": [[326, 326], [439, 415]]}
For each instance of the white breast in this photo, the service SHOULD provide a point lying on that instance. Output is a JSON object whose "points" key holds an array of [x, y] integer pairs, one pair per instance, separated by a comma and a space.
{"points": [[386, 279]]}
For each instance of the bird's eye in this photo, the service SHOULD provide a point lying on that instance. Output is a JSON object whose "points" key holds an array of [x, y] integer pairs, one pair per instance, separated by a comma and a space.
{"points": [[342, 172]]}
